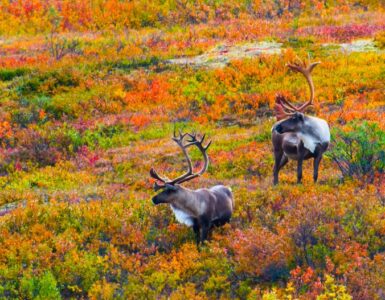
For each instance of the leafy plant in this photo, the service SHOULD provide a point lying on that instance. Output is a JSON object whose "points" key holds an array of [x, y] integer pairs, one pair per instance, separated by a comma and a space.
{"points": [[60, 46], [334, 291], [359, 150], [9, 74], [40, 288]]}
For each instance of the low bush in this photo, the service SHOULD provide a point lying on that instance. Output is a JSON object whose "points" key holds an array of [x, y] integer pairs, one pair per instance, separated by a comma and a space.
{"points": [[359, 150], [9, 74], [43, 287]]}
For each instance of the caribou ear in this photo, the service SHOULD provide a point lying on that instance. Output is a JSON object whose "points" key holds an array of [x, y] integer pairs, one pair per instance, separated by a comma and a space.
{"points": [[299, 116], [157, 187], [171, 187], [278, 128]]}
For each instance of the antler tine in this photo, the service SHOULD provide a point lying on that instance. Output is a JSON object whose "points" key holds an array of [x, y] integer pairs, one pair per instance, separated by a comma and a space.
{"points": [[192, 136], [283, 108], [189, 174], [176, 138], [207, 146], [280, 112], [179, 142], [194, 141], [306, 71], [281, 100], [155, 175], [203, 150]]}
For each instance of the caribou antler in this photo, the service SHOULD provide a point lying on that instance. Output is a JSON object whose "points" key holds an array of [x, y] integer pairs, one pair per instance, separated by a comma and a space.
{"points": [[306, 71], [283, 107], [203, 149], [189, 174]]}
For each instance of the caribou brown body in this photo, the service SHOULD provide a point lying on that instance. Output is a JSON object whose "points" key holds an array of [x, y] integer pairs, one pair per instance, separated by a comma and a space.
{"points": [[296, 136], [200, 209]]}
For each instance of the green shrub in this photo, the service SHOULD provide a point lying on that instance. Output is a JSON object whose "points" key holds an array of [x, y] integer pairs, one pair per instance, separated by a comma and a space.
{"points": [[48, 83], [43, 287], [129, 65], [101, 137], [24, 117], [359, 151], [6, 75]]}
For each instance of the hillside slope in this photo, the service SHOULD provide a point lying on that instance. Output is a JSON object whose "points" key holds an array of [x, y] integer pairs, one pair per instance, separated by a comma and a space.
{"points": [[86, 112]]}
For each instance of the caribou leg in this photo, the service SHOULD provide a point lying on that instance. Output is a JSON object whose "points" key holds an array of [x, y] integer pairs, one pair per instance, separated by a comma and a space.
{"points": [[301, 154], [317, 159], [283, 162], [316, 162], [205, 226], [299, 170], [196, 229], [277, 164]]}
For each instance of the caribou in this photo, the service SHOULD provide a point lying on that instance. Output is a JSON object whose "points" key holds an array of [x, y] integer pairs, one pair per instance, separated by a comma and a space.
{"points": [[200, 209], [297, 136]]}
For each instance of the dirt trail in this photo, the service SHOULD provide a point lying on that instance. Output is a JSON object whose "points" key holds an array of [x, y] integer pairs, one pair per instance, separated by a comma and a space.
{"points": [[221, 55]]}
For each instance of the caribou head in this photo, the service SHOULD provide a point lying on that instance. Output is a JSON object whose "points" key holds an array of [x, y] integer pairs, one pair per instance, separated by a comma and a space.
{"points": [[202, 208], [297, 136]]}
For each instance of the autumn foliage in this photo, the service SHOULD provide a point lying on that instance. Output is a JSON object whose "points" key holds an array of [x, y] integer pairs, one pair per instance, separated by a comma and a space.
{"points": [[89, 95]]}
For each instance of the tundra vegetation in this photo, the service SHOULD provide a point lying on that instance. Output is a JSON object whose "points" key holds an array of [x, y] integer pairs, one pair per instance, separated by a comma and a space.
{"points": [[88, 100]]}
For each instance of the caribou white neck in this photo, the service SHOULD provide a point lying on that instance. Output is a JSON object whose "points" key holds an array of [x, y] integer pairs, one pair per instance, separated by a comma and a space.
{"points": [[319, 127], [182, 217], [315, 131]]}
